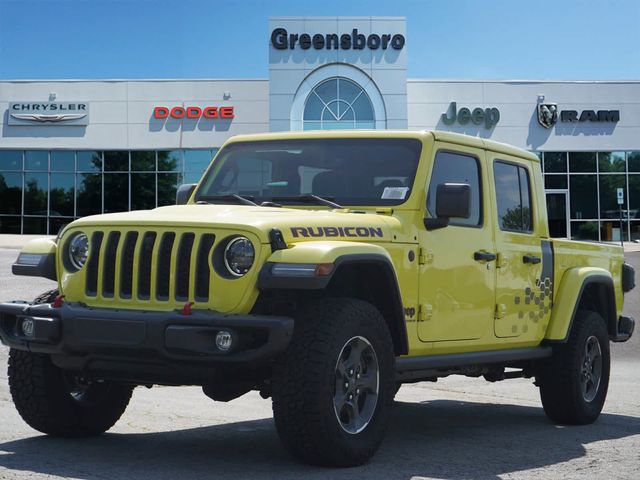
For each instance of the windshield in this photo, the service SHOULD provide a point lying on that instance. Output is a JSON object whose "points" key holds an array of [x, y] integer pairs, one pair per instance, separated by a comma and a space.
{"points": [[346, 171]]}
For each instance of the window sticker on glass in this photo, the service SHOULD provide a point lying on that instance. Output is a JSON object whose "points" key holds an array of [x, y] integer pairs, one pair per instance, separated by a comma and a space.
{"points": [[394, 193]]}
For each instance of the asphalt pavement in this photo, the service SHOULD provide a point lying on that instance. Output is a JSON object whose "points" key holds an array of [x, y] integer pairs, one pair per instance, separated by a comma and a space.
{"points": [[453, 429]]}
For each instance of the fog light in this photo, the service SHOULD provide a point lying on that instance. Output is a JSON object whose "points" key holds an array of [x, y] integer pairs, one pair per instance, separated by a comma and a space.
{"points": [[224, 339], [27, 327]]}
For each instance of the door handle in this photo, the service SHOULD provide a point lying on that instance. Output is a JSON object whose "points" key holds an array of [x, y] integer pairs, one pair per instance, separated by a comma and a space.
{"points": [[531, 259], [484, 256]]}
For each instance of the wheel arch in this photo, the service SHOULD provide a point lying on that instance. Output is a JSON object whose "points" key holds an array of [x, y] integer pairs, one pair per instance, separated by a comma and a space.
{"points": [[587, 288], [368, 276]]}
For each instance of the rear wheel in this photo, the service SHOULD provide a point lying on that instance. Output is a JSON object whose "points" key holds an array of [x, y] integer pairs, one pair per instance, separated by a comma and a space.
{"points": [[333, 388], [62, 403], [574, 382]]}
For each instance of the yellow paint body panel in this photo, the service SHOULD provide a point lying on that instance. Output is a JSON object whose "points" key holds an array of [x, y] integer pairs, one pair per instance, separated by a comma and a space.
{"points": [[40, 245], [452, 303]]}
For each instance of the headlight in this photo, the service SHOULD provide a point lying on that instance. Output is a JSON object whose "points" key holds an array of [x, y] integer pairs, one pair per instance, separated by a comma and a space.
{"points": [[78, 250], [239, 256]]}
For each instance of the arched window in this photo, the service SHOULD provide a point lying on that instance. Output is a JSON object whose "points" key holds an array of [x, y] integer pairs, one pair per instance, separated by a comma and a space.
{"points": [[338, 103]]}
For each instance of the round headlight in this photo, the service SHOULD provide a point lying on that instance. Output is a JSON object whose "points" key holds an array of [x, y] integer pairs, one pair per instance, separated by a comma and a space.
{"points": [[239, 256], [78, 250]]}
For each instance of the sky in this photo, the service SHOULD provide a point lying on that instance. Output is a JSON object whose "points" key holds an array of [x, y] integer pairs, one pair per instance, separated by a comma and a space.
{"points": [[446, 39]]}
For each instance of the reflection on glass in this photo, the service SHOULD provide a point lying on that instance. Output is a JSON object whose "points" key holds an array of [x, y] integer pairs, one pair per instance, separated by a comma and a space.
{"points": [[634, 196], [584, 196], [116, 161], [89, 196], [555, 181], [143, 161], [633, 158], [36, 160], [337, 104], [116, 192], [34, 225], [63, 160], [9, 224], [11, 192], [89, 161], [582, 161], [170, 161], [143, 191], [10, 160], [57, 223], [555, 162], [197, 160], [61, 194], [610, 231], [167, 188], [635, 231], [36, 186], [611, 162], [608, 195], [584, 231]]}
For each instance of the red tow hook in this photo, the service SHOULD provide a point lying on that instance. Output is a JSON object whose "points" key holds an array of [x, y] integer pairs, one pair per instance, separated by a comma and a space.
{"points": [[57, 302], [186, 310]]}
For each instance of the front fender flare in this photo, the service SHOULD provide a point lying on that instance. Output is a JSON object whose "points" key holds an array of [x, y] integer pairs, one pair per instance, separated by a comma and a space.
{"points": [[46, 249]]}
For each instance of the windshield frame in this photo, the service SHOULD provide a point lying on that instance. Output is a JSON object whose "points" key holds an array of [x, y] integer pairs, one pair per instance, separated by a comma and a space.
{"points": [[218, 162]]}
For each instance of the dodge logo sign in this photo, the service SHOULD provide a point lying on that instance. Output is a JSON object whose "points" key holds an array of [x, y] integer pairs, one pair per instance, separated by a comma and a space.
{"points": [[193, 113], [48, 113]]}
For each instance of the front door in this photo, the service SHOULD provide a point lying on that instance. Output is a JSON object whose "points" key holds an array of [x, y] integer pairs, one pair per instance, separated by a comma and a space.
{"points": [[457, 275], [557, 208]]}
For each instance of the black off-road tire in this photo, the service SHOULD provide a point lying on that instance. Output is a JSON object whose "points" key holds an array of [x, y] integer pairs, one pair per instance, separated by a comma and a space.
{"points": [[42, 394], [560, 377], [306, 380]]}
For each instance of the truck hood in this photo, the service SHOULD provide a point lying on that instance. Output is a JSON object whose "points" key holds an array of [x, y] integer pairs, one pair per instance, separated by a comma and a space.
{"points": [[295, 224]]}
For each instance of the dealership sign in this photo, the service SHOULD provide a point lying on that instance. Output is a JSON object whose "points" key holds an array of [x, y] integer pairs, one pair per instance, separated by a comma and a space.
{"points": [[48, 113], [548, 114], [281, 39], [478, 116], [193, 112]]}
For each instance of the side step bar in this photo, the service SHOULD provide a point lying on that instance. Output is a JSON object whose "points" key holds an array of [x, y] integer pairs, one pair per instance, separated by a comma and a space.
{"points": [[408, 366]]}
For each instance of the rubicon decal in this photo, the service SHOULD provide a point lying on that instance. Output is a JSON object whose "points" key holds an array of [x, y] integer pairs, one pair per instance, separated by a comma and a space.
{"points": [[336, 232], [194, 112]]}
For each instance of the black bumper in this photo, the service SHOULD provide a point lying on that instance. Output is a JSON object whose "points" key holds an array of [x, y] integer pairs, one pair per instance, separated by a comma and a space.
{"points": [[92, 338], [626, 325]]}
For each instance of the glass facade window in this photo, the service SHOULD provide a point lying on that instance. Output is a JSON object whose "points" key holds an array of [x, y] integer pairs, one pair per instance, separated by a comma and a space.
{"points": [[63, 161], [116, 161], [583, 196], [143, 161], [89, 161], [611, 162], [338, 103], [555, 162], [11, 193], [10, 160], [37, 160], [582, 161], [633, 160], [89, 194], [555, 182]]}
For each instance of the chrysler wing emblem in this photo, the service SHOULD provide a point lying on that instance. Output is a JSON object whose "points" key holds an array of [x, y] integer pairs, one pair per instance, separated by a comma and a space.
{"points": [[547, 114], [53, 118]]}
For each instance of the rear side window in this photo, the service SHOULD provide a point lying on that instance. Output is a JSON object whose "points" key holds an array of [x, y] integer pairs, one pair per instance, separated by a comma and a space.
{"points": [[451, 167], [513, 196]]}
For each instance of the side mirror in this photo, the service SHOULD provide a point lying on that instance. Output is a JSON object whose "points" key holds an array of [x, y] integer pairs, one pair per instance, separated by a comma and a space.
{"points": [[453, 200], [184, 193]]}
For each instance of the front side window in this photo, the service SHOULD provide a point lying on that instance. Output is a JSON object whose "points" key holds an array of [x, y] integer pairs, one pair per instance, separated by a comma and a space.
{"points": [[513, 197], [347, 171], [451, 167]]}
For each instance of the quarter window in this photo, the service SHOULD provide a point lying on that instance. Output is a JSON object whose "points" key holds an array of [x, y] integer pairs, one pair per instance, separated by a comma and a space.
{"points": [[450, 167], [513, 197]]}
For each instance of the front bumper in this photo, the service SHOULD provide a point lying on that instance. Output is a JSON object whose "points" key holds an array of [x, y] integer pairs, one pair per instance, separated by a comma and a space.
{"points": [[85, 338]]}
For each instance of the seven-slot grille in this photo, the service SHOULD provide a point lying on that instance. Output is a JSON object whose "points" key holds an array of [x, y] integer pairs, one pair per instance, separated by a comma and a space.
{"points": [[160, 257]]}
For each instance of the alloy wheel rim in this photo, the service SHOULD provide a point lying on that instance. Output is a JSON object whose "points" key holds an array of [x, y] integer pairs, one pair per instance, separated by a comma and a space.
{"points": [[357, 383], [591, 369]]}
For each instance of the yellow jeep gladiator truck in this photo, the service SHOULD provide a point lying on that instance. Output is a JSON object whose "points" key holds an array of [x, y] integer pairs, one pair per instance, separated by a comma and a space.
{"points": [[322, 269]]}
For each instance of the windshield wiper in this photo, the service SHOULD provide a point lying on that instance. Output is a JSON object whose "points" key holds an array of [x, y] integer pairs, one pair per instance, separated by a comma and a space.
{"points": [[229, 197], [309, 198]]}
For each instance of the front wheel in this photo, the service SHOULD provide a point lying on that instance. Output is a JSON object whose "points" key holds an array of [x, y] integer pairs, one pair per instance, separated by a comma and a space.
{"points": [[574, 382], [333, 388], [60, 403]]}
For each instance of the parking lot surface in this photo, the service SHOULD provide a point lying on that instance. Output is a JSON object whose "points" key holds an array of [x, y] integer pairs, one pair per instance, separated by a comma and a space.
{"points": [[453, 429]]}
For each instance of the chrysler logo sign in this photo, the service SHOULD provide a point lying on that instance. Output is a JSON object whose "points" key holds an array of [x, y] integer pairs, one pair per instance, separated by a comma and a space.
{"points": [[48, 113]]}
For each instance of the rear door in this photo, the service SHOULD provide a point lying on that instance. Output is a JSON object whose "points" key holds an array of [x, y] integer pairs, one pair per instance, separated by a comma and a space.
{"points": [[524, 263]]}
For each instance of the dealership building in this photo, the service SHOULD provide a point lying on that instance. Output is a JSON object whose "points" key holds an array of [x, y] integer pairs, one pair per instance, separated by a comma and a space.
{"points": [[70, 148]]}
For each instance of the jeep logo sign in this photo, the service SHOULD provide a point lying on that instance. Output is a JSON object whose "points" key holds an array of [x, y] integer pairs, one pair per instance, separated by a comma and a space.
{"points": [[283, 40], [489, 116]]}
